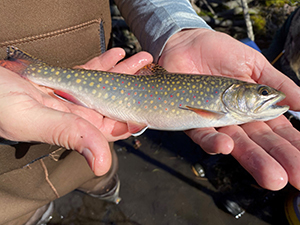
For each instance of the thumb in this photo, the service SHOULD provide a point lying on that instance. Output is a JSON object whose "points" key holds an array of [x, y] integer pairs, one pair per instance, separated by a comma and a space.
{"points": [[65, 129]]}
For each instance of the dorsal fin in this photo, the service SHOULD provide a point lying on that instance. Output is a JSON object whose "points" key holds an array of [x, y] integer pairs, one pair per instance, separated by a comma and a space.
{"points": [[151, 69]]}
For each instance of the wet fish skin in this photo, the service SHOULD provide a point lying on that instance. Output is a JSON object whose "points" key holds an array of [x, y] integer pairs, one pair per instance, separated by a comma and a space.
{"points": [[155, 99]]}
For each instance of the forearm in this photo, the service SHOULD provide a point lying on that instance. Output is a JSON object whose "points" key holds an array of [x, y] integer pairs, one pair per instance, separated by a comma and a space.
{"points": [[155, 21]]}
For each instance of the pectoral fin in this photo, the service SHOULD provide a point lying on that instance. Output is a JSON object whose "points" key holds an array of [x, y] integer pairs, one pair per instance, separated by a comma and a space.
{"points": [[207, 113]]}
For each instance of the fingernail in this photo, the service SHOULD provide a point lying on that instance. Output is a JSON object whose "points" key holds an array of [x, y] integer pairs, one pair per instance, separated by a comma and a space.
{"points": [[89, 157]]}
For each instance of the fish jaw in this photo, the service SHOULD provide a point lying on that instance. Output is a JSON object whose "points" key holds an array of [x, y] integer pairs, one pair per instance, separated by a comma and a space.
{"points": [[269, 110], [253, 102]]}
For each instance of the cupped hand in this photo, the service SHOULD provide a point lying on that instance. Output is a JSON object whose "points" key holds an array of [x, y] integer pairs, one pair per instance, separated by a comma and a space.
{"points": [[269, 151], [29, 113]]}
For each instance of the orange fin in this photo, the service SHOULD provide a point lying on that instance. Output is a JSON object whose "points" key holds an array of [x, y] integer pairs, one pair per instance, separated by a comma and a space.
{"points": [[67, 97], [206, 113], [135, 128], [17, 60], [151, 69]]}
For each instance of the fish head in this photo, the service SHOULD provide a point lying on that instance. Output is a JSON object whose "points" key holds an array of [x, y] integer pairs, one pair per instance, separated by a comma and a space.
{"points": [[253, 101]]}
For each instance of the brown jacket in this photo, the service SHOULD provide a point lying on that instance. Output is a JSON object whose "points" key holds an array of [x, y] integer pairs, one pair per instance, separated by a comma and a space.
{"points": [[60, 32]]}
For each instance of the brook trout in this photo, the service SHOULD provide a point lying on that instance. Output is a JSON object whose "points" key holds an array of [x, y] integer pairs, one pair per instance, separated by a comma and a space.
{"points": [[154, 98]]}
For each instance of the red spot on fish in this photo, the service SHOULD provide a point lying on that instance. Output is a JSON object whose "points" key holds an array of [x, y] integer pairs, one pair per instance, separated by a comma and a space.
{"points": [[161, 88], [152, 86], [151, 96], [146, 107], [183, 91], [143, 88], [171, 96], [112, 78], [122, 82], [194, 96], [128, 93], [207, 100], [159, 98], [103, 87], [135, 93], [135, 84], [180, 105], [139, 102], [216, 92], [166, 109]]}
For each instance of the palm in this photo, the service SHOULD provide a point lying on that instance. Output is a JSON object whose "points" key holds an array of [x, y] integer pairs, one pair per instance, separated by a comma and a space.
{"points": [[268, 150]]}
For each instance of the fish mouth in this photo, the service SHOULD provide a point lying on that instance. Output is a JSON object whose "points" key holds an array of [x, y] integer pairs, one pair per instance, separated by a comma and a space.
{"points": [[271, 108]]}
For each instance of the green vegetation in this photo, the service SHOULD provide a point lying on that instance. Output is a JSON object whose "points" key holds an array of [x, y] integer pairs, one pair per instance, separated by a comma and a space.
{"points": [[259, 23], [279, 3]]}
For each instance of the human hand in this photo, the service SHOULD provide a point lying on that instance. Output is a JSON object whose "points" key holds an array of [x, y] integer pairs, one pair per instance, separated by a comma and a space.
{"points": [[269, 151], [29, 113]]}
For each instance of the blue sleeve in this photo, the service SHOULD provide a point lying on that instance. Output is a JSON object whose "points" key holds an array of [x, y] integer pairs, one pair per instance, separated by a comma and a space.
{"points": [[154, 21]]}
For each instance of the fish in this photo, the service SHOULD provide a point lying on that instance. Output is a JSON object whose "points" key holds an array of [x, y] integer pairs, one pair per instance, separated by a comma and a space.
{"points": [[154, 98]]}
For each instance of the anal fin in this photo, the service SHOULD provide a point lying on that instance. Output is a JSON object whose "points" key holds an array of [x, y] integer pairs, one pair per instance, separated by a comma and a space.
{"points": [[135, 128]]}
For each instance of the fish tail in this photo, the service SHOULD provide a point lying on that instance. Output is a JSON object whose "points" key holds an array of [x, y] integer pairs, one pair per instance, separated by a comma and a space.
{"points": [[17, 60]]}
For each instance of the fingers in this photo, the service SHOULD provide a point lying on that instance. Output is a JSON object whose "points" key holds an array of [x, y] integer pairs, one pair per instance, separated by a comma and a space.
{"points": [[263, 167], [211, 141], [133, 64], [106, 60], [72, 132]]}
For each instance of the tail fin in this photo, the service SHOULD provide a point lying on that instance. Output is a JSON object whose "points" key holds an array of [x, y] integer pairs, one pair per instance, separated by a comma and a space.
{"points": [[17, 60]]}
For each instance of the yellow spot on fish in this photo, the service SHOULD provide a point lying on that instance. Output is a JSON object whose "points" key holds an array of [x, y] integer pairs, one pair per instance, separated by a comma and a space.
{"points": [[98, 85], [194, 86], [78, 81], [57, 73], [100, 79], [106, 96], [82, 72], [120, 102], [59, 79], [177, 94], [201, 93], [199, 103], [207, 89], [200, 85], [69, 76], [174, 89], [187, 100], [122, 92], [45, 73], [91, 84], [50, 78], [106, 82], [76, 74], [94, 92], [172, 103], [80, 88], [113, 97], [39, 71], [52, 70]]}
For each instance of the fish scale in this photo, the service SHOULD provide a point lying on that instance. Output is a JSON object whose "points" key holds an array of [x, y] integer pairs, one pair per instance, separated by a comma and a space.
{"points": [[154, 98]]}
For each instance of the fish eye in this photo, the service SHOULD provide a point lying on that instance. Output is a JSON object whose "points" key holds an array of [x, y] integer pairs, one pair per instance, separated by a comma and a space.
{"points": [[263, 90]]}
